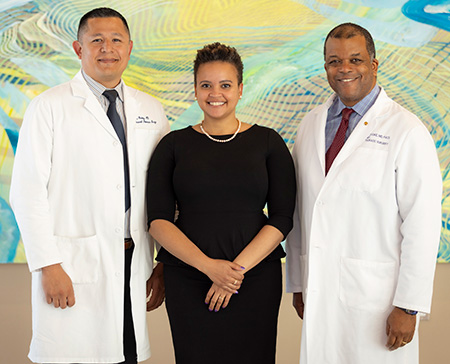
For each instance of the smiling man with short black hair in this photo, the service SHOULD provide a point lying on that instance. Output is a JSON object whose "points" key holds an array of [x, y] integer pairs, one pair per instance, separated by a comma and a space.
{"points": [[78, 193], [361, 256]]}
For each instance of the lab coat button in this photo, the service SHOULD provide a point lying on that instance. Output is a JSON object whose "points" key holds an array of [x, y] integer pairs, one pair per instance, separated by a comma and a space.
{"points": [[320, 203], [118, 230], [119, 186], [115, 143], [117, 274]]}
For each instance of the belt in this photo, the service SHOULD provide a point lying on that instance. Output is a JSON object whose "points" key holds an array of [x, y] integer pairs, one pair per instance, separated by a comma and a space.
{"points": [[129, 243]]}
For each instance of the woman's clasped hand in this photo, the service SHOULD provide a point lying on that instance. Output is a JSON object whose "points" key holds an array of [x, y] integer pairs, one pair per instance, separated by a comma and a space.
{"points": [[227, 277]]}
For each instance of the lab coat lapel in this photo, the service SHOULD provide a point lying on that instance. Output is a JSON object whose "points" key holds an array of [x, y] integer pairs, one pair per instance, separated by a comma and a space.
{"points": [[319, 131], [364, 128], [81, 89], [131, 105]]}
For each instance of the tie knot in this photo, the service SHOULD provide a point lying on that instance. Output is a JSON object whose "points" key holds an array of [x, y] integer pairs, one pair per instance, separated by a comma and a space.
{"points": [[346, 113], [111, 95]]}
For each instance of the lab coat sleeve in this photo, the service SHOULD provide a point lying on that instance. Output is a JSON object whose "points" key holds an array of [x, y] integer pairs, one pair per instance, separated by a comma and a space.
{"points": [[419, 193], [294, 262], [166, 129], [30, 178], [164, 132]]}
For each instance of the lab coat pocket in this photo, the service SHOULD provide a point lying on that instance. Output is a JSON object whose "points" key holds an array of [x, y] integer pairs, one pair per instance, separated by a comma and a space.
{"points": [[146, 140], [363, 170], [367, 285], [81, 258]]}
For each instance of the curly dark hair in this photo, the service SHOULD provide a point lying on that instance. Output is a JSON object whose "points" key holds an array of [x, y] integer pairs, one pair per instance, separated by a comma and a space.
{"points": [[219, 52], [350, 30]]}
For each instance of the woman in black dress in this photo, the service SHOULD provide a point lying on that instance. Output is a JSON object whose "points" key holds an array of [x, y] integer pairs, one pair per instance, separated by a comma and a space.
{"points": [[219, 175]]}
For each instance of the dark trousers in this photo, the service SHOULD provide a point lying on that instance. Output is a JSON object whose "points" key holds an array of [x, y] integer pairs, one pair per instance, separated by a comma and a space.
{"points": [[129, 340]]}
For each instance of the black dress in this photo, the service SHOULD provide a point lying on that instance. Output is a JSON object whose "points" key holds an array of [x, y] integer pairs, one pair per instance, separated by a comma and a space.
{"points": [[220, 191]]}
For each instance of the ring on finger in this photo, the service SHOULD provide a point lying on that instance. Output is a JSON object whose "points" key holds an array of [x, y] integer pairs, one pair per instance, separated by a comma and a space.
{"points": [[235, 281], [404, 342], [220, 297]]}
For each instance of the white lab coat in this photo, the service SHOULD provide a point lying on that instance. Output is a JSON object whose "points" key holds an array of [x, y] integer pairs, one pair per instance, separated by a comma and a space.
{"points": [[68, 198], [365, 237]]}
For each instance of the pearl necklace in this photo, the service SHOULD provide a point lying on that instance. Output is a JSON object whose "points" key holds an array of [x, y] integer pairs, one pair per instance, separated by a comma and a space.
{"points": [[222, 140]]}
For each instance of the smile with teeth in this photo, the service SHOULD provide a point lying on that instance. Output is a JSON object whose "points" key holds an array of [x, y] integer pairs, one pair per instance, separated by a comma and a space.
{"points": [[108, 60], [216, 103], [348, 79]]}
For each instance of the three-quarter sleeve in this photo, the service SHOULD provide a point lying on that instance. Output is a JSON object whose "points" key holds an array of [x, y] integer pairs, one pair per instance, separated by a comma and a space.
{"points": [[282, 186], [161, 198]]}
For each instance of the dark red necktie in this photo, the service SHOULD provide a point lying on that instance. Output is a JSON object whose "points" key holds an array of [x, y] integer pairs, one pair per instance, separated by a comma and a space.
{"points": [[338, 141]]}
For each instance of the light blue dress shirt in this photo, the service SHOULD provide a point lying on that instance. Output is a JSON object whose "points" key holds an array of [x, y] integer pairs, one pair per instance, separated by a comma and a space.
{"points": [[334, 116]]}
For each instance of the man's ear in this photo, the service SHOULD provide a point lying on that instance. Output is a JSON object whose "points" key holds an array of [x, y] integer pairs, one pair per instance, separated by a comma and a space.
{"points": [[375, 66], [77, 48], [131, 47]]}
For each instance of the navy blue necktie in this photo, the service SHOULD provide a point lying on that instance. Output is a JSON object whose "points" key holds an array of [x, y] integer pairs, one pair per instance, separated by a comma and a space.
{"points": [[111, 95]]}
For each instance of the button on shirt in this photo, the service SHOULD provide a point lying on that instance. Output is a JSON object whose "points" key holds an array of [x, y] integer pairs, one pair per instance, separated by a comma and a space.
{"points": [[334, 116], [98, 89]]}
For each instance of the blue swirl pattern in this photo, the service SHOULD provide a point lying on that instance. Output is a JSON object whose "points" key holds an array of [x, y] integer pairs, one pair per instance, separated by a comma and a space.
{"points": [[281, 43]]}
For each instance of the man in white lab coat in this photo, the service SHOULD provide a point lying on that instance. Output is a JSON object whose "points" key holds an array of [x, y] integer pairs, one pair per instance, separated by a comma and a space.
{"points": [[361, 257], [78, 193]]}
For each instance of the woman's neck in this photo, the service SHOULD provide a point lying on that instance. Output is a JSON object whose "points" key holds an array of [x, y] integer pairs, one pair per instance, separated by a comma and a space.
{"points": [[220, 127]]}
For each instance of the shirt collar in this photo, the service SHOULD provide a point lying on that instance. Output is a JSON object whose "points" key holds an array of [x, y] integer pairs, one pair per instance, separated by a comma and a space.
{"points": [[360, 108], [97, 88]]}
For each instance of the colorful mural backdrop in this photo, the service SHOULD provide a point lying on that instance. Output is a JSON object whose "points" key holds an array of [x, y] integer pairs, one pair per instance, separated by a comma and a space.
{"points": [[280, 41]]}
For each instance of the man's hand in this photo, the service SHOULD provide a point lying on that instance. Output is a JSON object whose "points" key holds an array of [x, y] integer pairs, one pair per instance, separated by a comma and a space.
{"points": [[57, 286], [155, 286], [400, 328], [297, 302]]}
